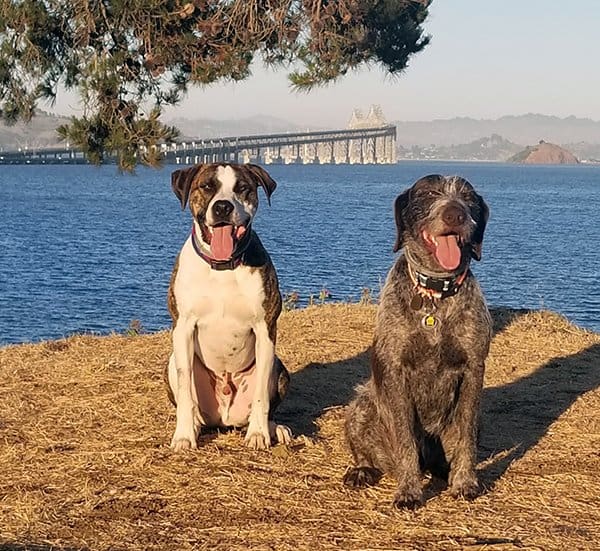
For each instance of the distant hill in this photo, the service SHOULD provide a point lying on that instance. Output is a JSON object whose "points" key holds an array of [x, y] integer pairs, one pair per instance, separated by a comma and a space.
{"points": [[584, 150], [212, 128], [517, 129], [521, 129], [544, 154], [458, 138], [40, 132], [492, 148]]}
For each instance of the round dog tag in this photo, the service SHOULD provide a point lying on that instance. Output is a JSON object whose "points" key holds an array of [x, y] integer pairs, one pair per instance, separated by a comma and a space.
{"points": [[417, 302], [429, 321]]}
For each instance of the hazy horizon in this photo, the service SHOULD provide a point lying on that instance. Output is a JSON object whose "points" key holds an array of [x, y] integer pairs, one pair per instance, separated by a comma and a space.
{"points": [[485, 61], [365, 110]]}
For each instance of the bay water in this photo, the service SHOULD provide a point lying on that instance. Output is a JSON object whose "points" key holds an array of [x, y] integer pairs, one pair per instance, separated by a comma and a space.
{"points": [[86, 249]]}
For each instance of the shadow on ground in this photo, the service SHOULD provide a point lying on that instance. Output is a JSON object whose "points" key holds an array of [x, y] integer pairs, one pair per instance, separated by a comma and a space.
{"points": [[515, 416], [319, 387], [503, 317]]}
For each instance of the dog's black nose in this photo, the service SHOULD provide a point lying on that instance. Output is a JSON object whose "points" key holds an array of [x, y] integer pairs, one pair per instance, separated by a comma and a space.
{"points": [[453, 215], [222, 209]]}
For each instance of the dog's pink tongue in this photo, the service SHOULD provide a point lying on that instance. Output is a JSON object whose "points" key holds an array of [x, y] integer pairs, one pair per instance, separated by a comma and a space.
{"points": [[221, 243], [447, 252]]}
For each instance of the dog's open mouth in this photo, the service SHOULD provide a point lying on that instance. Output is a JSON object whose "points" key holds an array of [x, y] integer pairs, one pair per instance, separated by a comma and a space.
{"points": [[222, 239], [446, 249]]}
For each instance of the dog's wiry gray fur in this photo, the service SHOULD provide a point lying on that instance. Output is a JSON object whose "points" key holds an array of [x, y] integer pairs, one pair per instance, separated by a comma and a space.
{"points": [[419, 409]]}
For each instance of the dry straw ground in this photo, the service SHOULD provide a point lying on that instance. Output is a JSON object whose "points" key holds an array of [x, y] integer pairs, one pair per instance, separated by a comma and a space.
{"points": [[84, 459]]}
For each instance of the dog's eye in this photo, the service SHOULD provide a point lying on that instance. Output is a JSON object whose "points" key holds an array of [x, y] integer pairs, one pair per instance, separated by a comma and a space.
{"points": [[207, 186], [243, 187]]}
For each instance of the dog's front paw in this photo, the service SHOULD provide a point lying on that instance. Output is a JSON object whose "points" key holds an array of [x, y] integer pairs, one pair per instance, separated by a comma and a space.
{"points": [[258, 440], [187, 428], [408, 497], [182, 444], [258, 436], [184, 440], [360, 477], [465, 486]]}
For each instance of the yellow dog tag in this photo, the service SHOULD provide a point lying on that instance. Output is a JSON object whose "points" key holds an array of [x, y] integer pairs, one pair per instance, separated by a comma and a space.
{"points": [[429, 321]]}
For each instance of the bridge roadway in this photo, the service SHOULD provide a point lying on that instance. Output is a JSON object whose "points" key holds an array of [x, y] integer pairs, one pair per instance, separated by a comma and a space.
{"points": [[364, 145]]}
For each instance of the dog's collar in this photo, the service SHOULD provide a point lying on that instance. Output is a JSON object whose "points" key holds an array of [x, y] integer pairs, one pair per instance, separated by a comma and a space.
{"points": [[236, 259], [436, 286]]}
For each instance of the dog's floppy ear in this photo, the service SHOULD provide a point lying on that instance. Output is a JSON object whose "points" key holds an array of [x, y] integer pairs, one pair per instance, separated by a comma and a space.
{"points": [[477, 239], [263, 179], [399, 206], [181, 182]]}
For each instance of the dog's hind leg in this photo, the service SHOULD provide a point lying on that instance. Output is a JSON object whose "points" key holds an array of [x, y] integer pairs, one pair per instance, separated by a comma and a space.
{"points": [[360, 426], [279, 384], [278, 388]]}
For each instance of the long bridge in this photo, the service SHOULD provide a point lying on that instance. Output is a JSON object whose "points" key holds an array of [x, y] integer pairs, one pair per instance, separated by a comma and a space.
{"points": [[356, 146]]}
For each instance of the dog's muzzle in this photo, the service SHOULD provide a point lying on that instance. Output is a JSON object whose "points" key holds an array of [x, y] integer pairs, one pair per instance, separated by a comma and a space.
{"points": [[446, 240], [224, 235]]}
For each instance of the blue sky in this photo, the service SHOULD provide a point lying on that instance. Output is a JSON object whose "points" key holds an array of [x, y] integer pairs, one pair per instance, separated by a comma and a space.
{"points": [[486, 59]]}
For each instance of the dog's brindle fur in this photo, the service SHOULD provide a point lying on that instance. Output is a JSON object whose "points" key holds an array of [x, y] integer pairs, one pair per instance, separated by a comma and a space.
{"points": [[251, 311], [419, 409]]}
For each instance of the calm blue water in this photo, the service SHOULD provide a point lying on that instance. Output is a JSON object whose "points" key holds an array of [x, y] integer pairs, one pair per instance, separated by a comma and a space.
{"points": [[84, 249]]}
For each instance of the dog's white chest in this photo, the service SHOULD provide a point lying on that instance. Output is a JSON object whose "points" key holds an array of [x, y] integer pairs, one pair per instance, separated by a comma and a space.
{"points": [[224, 307]]}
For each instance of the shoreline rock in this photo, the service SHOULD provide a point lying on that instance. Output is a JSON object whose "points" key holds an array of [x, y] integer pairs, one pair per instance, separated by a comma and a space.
{"points": [[544, 154]]}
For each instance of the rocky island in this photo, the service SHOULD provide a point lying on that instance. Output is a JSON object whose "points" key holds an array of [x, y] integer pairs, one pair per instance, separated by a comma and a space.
{"points": [[544, 153]]}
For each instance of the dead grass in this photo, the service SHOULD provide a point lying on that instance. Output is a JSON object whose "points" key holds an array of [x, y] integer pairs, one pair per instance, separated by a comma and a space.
{"points": [[84, 460]]}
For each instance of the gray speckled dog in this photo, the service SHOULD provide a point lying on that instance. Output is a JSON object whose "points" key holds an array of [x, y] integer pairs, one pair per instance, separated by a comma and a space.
{"points": [[419, 410]]}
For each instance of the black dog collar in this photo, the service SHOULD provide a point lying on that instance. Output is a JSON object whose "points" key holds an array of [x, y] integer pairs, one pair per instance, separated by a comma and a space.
{"points": [[236, 259], [435, 286], [439, 287]]}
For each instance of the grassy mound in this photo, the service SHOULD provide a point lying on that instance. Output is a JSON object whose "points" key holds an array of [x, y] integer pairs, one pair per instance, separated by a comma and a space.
{"points": [[85, 426]]}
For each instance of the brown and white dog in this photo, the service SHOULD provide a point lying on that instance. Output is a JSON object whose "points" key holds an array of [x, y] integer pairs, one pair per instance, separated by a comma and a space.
{"points": [[224, 300]]}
